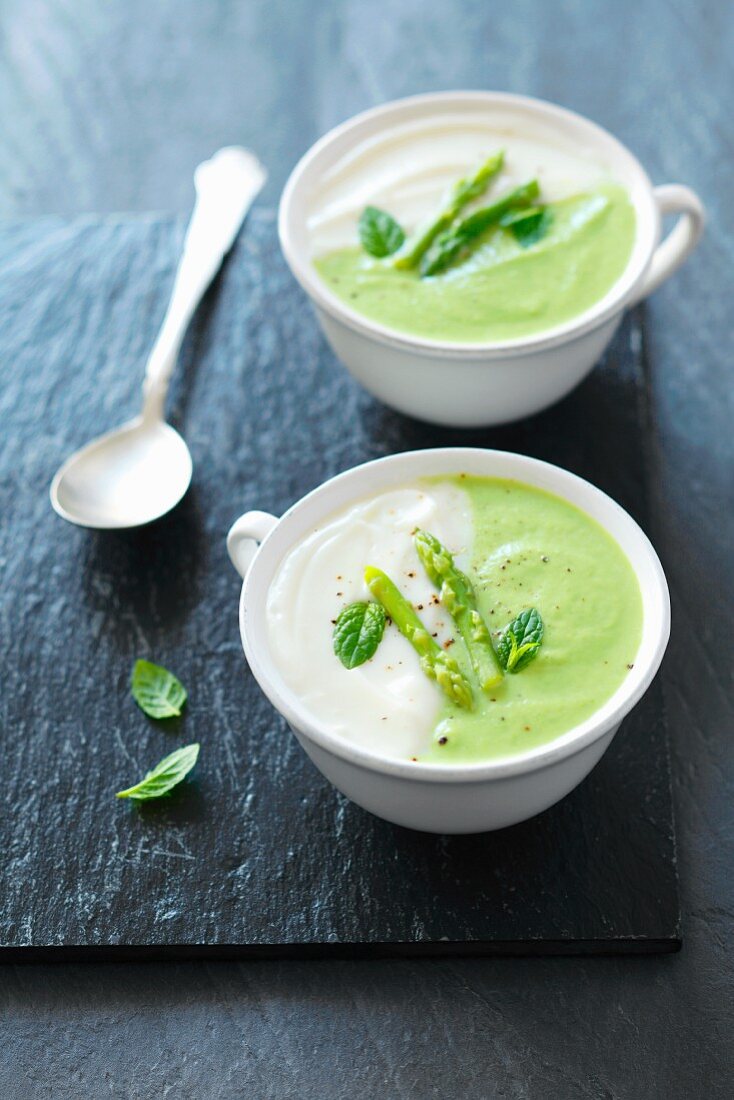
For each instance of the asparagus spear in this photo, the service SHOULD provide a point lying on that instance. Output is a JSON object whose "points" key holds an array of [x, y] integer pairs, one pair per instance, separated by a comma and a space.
{"points": [[461, 193], [434, 661], [452, 241], [457, 595]]}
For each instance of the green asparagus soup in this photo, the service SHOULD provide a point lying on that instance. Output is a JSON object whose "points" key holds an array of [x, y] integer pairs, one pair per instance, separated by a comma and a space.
{"points": [[504, 287], [531, 549]]}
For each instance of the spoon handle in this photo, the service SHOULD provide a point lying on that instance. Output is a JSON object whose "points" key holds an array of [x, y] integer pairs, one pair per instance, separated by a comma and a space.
{"points": [[225, 186]]}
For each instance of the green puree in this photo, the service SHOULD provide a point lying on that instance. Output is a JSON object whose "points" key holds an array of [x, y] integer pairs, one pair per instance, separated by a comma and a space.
{"points": [[588, 596], [502, 290]]}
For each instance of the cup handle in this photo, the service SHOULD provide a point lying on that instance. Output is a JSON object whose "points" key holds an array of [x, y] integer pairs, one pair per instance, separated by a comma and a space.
{"points": [[245, 536], [673, 198]]}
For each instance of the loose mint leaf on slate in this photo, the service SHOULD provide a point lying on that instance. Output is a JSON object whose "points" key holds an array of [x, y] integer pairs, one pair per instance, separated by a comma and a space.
{"points": [[379, 233], [164, 776], [520, 641], [156, 690], [358, 632]]}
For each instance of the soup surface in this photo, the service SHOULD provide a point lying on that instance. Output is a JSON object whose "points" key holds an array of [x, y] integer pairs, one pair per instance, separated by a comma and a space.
{"points": [[501, 288], [520, 548]]}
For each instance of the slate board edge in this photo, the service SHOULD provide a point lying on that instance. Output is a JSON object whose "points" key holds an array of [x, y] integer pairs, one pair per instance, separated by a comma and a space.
{"points": [[459, 949], [650, 462]]}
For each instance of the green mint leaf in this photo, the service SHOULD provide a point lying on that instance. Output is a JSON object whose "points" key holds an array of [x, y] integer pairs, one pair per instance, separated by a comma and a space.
{"points": [[511, 660], [520, 641], [379, 233], [156, 690], [528, 226], [164, 776], [358, 632]]}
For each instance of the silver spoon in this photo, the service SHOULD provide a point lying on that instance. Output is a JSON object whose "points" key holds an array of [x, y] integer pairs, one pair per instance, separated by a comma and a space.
{"points": [[138, 472]]}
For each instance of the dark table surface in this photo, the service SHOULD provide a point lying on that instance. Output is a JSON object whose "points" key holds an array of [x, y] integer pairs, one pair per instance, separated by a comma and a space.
{"points": [[108, 107]]}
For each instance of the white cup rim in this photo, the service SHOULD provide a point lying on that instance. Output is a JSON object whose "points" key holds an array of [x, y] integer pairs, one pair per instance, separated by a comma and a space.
{"points": [[337, 491], [623, 290]]}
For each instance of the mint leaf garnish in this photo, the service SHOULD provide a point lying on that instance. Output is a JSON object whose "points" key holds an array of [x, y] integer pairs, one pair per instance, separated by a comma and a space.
{"points": [[156, 690], [379, 233], [527, 226], [520, 641], [164, 776], [358, 632]]}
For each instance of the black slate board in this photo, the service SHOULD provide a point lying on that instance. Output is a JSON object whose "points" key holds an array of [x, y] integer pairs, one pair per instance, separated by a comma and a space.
{"points": [[257, 854]]}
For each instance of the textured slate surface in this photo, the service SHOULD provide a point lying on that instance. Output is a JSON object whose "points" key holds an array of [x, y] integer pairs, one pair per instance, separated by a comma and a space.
{"points": [[259, 851]]}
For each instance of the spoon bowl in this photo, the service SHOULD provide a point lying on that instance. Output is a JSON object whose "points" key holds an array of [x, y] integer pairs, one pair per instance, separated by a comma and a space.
{"points": [[126, 478]]}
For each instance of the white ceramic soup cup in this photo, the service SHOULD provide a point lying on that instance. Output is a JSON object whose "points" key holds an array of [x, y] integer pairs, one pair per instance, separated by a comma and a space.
{"points": [[470, 385], [443, 798]]}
